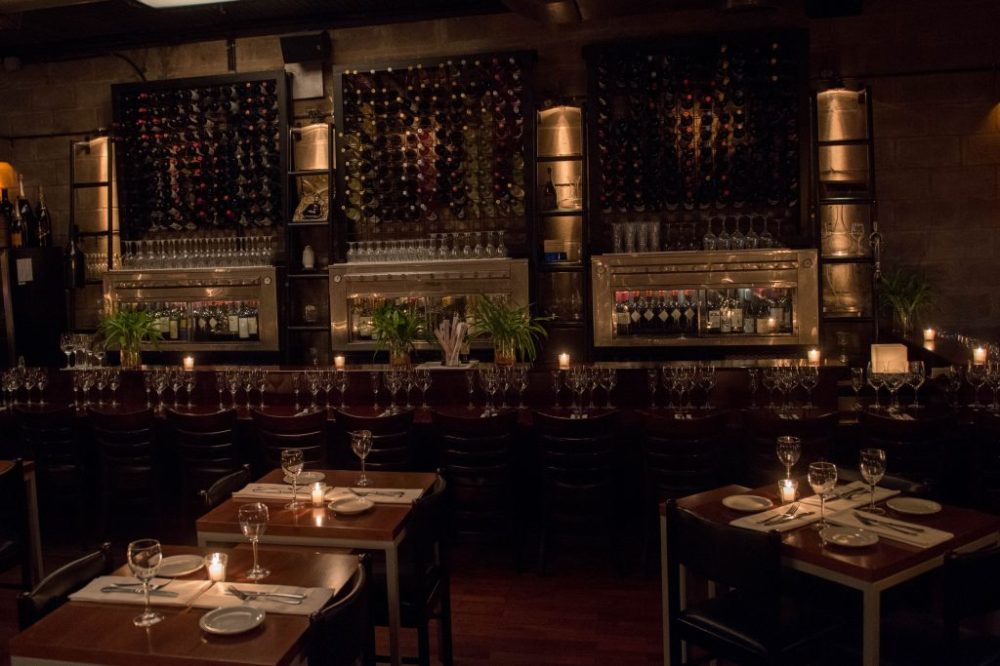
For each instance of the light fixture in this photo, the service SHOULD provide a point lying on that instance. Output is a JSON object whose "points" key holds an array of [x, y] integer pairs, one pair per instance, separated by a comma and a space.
{"points": [[8, 176], [170, 4]]}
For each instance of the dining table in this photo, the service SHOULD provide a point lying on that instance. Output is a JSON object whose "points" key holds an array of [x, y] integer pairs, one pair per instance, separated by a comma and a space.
{"points": [[34, 531], [382, 528], [870, 570], [89, 632]]}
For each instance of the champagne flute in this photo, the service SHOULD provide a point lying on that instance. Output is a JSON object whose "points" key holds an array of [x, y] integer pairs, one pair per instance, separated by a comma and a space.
{"points": [[144, 557], [789, 451], [361, 444], [292, 462], [253, 521], [822, 479], [872, 468]]}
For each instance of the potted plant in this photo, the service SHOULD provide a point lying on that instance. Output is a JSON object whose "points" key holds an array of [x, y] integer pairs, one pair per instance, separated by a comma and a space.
{"points": [[512, 329], [394, 328], [907, 294], [126, 329]]}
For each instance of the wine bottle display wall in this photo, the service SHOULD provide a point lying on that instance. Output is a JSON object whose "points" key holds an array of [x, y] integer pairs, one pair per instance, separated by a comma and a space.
{"points": [[699, 132], [434, 148], [200, 157]]}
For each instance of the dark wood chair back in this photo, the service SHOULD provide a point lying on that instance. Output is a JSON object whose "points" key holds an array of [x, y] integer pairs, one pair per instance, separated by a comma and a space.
{"points": [[126, 446], [302, 431], [49, 437], [205, 447], [342, 633], [913, 447], [393, 447], [424, 543], [14, 525], [53, 591], [224, 488], [817, 433], [681, 456]]}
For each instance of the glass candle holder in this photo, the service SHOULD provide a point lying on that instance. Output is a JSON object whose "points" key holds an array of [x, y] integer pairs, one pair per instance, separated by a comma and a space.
{"points": [[318, 492], [215, 564], [788, 490]]}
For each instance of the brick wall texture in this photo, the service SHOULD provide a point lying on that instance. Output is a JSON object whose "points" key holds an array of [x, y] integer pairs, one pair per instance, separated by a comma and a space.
{"points": [[937, 134]]}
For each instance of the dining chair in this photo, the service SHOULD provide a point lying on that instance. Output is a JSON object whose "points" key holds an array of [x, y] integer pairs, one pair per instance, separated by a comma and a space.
{"points": [[760, 464], [302, 431], [425, 582], [205, 449], [579, 465], [130, 469], [53, 591], [342, 632], [680, 457], [224, 488], [393, 445], [14, 525], [751, 621], [916, 448], [477, 456]]}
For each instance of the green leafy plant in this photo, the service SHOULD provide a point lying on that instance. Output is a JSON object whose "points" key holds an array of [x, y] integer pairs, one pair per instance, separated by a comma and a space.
{"points": [[509, 326], [126, 330], [396, 327], [906, 293]]}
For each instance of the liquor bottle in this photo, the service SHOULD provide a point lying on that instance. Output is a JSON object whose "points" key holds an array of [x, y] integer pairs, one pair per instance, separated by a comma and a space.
{"points": [[76, 262], [28, 231], [17, 235], [43, 221], [253, 321], [233, 319], [549, 193], [174, 323], [6, 216], [243, 322]]}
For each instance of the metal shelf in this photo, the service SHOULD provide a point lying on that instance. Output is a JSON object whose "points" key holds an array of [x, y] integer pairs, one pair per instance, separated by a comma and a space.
{"points": [[317, 275]]}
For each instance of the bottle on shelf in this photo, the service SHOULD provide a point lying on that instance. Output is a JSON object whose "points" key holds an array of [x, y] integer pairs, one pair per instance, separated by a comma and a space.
{"points": [[6, 216], [549, 192], [76, 262], [43, 221], [17, 235], [29, 236]]}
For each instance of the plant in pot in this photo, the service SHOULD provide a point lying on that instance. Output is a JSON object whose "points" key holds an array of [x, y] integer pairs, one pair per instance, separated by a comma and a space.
{"points": [[126, 330], [906, 293], [512, 329], [395, 328]]}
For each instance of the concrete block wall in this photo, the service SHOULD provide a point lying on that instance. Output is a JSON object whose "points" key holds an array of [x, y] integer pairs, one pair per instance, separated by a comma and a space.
{"points": [[938, 136]]}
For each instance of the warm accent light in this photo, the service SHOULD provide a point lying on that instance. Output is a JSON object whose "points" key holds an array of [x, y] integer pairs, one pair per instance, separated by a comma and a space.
{"points": [[8, 176], [979, 356], [813, 355], [929, 334], [564, 361]]}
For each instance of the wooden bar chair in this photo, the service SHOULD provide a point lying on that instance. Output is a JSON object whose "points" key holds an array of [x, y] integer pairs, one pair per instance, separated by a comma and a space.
{"points": [[302, 431], [54, 590], [393, 447], [761, 466], [205, 450]]}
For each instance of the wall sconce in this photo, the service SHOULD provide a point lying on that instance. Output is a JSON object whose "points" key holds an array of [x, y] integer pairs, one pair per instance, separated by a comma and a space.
{"points": [[8, 176]]}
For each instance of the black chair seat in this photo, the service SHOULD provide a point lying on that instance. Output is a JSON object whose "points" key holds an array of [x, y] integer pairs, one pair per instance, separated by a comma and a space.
{"points": [[736, 628]]}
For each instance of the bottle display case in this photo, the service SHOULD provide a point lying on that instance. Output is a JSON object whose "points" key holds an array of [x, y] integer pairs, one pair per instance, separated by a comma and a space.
{"points": [[753, 298], [203, 309], [437, 289]]}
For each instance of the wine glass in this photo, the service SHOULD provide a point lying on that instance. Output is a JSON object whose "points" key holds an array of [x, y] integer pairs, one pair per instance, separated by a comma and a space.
{"points": [[652, 382], [220, 386], [470, 387], [190, 381], [114, 383], [66, 346], [809, 379], [341, 380], [557, 383], [789, 451], [857, 383], [42, 380], [916, 379], [292, 462], [423, 377], [253, 521], [876, 381], [894, 381], [822, 479], [754, 374], [144, 557], [976, 376], [872, 467], [361, 444]]}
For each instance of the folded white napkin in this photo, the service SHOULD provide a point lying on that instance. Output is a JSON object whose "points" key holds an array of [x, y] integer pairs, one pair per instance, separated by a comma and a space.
{"points": [[761, 522], [271, 491], [186, 591], [901, 416], [218, 596], [377, 495], [860, 495], [925, 538]]}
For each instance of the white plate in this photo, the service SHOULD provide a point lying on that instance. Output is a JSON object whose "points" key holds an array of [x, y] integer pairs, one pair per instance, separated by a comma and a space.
{"points": [[305, 478], [848, 537], [231, 620], [351, 505], [180, 565], [913, 505], [748, 502]]}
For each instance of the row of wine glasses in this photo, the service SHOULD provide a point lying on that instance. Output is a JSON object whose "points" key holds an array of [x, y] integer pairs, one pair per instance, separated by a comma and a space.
{"points": [[21, 377], [193, 251], [404, 379], [82, 350], [580, 379], [321, 380], [438, 247], [99, 379], [247, 380], [785, 380], [160, 379], [914, 376], [681, 381], [493, 379]]}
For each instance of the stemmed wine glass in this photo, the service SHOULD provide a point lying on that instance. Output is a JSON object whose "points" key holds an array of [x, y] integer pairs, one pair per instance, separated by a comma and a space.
{"points": [[144, 557], [114, 383], [789, 450], [976, 376], [253, 521], [423, 377], [66, 346], [876, 381], [822, 479], [361, 444], [754, 374], [190, 380], [374, 376], [809, 379], [292, 462], [894, 381], [341, 381], [41, 381], [857, 383], [652, 382], [470, 387], [872, 467], [916, 379], [220, 386]]}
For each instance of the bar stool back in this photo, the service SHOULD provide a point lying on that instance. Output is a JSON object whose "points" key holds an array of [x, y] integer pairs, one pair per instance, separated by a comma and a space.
{"points": [[206, 449], [393, 446], [761, 466], [302, 431]]}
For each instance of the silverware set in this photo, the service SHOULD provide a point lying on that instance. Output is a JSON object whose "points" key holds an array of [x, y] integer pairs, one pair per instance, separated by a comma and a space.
{"points": [[911, 530]]}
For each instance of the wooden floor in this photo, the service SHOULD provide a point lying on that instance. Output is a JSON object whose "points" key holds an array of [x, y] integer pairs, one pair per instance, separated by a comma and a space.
{"points": [[582, 613]]}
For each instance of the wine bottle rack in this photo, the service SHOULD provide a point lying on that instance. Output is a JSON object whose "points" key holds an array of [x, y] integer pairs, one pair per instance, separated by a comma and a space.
{"points": [[436, 148], [202, 154], [700, 136]]}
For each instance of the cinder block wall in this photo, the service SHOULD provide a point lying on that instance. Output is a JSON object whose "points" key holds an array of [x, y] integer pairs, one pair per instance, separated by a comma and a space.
{"points": [[938, 135]]}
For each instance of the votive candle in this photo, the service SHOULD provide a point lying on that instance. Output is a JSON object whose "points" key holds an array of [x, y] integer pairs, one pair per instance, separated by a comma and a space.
{"points": [[979, 356], [813, 355], [216, 564], [189, 363], [339, 362], [318, 492], [929, 334], [788, 488], [564, 361]]}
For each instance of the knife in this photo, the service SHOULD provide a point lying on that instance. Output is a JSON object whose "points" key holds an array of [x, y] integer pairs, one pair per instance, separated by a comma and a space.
{"points": [[127, 590], [903, 529]]}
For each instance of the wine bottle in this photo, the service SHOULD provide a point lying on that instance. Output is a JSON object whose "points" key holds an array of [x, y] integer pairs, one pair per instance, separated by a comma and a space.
{"points": [[6, 216], [76, 262], [549, 193], [43, 221], [26, 215]]}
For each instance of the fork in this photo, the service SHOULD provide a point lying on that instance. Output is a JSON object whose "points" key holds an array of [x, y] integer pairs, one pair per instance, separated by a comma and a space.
{"points": [[244, 595], [379, 493], [787, 515]]}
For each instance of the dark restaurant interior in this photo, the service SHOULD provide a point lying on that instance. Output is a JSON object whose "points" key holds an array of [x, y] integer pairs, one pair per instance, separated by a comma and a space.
{"points": [[501, 332]]}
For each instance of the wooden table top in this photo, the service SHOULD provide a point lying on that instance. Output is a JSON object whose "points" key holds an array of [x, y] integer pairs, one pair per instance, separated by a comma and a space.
{"points": [[882, 560], [383, 523], [86, 632]]}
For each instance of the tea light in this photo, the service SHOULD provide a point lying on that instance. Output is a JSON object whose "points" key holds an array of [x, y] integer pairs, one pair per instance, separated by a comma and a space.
{"points": [[788, 489], [979, 356], [813, 355], [189, 363], [216, 565], [929, 334], [318, 491], [339, 362], [772, 324], [564, 361]]}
